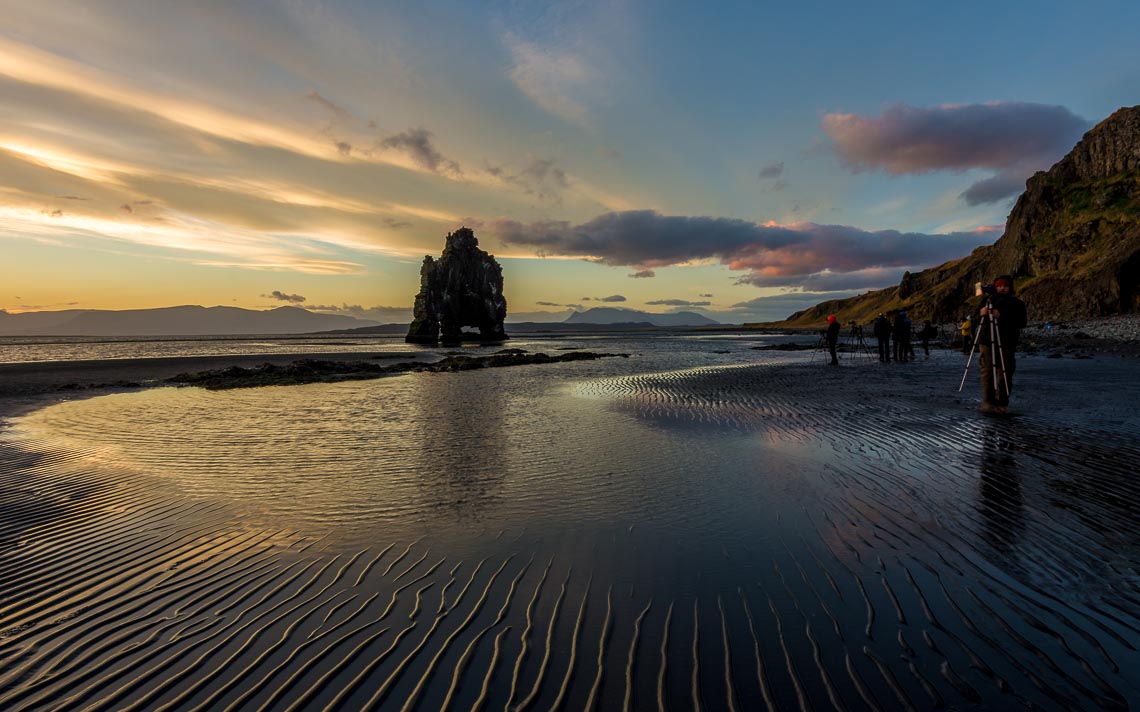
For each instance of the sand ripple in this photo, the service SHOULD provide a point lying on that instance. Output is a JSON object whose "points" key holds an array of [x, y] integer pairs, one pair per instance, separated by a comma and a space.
{"points": [[902, 556]]}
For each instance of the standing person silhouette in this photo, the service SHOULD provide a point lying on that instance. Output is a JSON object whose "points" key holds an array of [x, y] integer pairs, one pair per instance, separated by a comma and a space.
{"points": [[928, 332], [832, 337], [1009, 313], [901, 333], [883, 334]]}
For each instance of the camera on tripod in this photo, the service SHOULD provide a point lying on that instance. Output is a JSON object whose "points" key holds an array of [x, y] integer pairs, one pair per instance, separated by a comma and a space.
{"points": [[986, 289]]}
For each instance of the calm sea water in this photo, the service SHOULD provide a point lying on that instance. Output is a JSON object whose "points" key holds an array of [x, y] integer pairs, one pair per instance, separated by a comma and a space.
{"points": [[20, 349]]}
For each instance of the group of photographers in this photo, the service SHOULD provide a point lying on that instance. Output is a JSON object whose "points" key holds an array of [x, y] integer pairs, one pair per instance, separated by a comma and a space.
{"points": [[994, 328], [902, 331]]}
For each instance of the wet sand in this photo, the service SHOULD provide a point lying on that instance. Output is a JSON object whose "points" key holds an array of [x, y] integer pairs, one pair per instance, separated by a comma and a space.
{"points": [[855, 537], [25, 386]]}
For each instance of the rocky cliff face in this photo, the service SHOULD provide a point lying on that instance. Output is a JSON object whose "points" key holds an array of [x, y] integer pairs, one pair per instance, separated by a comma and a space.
{"points": [[1072, 242], [463, 288]]}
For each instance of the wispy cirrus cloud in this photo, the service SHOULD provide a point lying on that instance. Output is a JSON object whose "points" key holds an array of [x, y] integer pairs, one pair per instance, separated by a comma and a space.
{"points": [[768, 254], [541, 177], [1013, 139], [552, 78], [774, 169]]}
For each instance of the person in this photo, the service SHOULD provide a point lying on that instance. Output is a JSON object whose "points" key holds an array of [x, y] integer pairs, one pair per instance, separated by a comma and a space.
{"points": [[909, 338], [901, 333], [928, 332], [832, 337], [967, 331], [1009, 316], [883, 334]]}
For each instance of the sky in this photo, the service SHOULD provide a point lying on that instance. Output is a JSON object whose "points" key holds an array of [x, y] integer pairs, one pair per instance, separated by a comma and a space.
{"points": [[740, 159]]}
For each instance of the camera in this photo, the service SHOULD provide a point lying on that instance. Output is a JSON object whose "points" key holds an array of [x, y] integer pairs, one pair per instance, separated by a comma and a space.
{"points": [[980, 289]]}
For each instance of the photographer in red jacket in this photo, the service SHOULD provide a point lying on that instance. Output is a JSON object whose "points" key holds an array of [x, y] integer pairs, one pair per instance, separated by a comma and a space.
{"points": [[832, 337]]}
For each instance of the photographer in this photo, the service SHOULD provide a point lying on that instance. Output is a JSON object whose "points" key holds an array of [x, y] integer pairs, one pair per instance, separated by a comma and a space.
{"points": [[967, 330], [832, 337], [901, 333], [1009, 315], [883, 334]]}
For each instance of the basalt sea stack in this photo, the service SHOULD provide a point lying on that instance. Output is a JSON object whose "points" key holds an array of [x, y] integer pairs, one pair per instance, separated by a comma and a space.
{"points": [[463, 288]]}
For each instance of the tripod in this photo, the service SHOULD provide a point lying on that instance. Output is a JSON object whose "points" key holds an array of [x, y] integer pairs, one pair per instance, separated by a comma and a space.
{"points": [[995, 343], [855, 345], [821, 347]]}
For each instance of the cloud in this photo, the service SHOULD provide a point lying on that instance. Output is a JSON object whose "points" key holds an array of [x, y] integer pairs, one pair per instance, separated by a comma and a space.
{"points": [[705, 295], [1013, 139], [283, 297], [644, 274], [774, 169], [778, 306], [993, 189], [768, 254], [549, 304], [387, 315], [828, 281], [677, 303], [541, 177], [417, 144], [339, 111], [612, 298], [552, 79]]}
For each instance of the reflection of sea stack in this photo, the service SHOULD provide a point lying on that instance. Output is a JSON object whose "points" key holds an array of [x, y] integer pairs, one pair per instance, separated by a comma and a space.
{"points": [[464, 287]]}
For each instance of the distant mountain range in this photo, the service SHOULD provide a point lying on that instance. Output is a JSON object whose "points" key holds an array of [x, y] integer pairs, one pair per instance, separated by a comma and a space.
{"points": [[230, 321], [173, 321]]}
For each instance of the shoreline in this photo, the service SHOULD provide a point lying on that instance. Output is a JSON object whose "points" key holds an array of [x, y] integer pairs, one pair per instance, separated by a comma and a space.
{"points": [[27, 386]]}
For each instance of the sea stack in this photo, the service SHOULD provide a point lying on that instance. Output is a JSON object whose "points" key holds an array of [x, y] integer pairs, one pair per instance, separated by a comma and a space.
{"points": [[463, 288]]}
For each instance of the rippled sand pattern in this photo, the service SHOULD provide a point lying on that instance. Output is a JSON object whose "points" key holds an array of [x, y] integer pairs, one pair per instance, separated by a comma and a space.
{"points": [[774, 544]]}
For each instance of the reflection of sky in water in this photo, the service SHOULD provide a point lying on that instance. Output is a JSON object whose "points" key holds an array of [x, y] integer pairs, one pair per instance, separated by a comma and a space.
{"points": [[449, 454], [681, 478]]}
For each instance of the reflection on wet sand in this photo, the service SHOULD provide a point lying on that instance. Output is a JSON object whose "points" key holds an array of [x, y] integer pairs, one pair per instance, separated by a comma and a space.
{"points": [[712, 538], [1000, 489], [460, 452]]}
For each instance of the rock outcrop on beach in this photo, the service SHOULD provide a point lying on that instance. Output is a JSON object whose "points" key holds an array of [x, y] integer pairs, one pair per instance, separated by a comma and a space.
{"points": [[463, 288], [1072, 242]]}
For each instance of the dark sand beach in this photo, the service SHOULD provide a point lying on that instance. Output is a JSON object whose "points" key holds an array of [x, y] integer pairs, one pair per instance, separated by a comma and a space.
{"points": [[725, 533]]}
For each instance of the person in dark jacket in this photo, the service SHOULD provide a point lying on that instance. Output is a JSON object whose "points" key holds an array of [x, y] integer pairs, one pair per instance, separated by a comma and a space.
{"points": [[928, 332], [832, 337], [901, 333], [1000, 315], [883, 334]]}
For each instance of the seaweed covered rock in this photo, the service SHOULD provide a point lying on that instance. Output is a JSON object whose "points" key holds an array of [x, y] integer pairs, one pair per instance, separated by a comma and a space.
{"points": [[463, 288]]}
